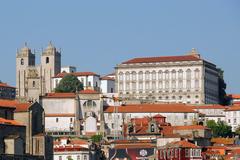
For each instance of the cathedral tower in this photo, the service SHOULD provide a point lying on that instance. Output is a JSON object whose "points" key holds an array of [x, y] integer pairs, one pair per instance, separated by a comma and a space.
{"points": [[24, 59], [50, 66]]}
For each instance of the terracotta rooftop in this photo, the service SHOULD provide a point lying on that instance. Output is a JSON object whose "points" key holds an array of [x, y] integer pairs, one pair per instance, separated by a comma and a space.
{"points": [[9, 122], [8, 103], [60, 115], [234, 96], [151, 108], [233, 108], [192, 127], [225, 141], [107, 78], [182, 144], [162, 59], [77, 74], [214, 106], [88, 91], [60, 95], [22, 107], [6, 85]]}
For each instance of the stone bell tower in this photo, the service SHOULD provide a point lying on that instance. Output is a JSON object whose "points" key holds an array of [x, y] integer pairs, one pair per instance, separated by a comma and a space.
{"points": [[50, 67], [24, 59]]}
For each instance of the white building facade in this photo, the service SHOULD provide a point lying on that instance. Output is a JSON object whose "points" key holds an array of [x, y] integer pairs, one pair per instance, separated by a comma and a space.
{"points": [[233, 117], [174, 79]]}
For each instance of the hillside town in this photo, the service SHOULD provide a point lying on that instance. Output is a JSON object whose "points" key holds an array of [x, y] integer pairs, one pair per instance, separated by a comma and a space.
{"points": [[171, 107]]}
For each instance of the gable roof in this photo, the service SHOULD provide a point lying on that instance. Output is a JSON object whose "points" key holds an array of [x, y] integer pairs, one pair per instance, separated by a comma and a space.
{"points": [[182, 144], [151, 108], [88, 91], [233, 108], [22, 107], [6, 85], [162, 59]]}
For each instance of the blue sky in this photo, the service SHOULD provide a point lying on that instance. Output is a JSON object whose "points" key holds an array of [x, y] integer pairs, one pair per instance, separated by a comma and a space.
{"points": [[97, 35]]}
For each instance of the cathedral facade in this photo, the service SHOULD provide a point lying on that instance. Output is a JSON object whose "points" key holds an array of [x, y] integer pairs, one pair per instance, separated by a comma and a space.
{"points": [[34, 80]]}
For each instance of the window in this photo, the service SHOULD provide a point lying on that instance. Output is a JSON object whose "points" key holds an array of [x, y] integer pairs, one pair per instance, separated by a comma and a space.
{"points": [[174, 84], [60, 157], [89, 84], [229, 120], [180, 84], [166, 75], [166, 85], [153, 75], [78, 157], [56, 81], [235, 121], [196, 84], [85, 157], [173, 74], [180, 74], [186, 152], [147, 75], [140, 85], [89, 103], [96, 84], [71, 120], [22, 61], [111, 90], [120, 76], [127, 86], [120, 86], [57, 120], [127, 76], [197, 74], [147, 86], [160, 86], [113, 126], [134, 76], [152, 128], [47, 60], [33, 84], [188, 74], [160, 75], [154, 85], [188, 84], [140, 75], [185, 116]]}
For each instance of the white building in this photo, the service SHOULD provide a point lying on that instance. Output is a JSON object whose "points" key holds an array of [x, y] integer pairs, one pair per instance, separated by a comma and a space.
{"points": [[176, 114], [107, 84], [90, 80], [72, 114], [233, 116], [68, 69], [211, 112], [176, 79]]}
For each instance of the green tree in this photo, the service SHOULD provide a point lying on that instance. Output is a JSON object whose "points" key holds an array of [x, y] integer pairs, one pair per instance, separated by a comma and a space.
{"points": [[237, 131], [96, 138], [69, 83], [219, 129]]}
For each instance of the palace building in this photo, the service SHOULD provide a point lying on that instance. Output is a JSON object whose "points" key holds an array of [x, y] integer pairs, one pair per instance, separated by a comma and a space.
{"points": [[169, 79]]}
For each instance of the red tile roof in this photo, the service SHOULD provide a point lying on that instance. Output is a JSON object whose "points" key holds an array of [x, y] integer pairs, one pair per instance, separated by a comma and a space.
{"points": [[108, 78], [192, 127], [9, 122], [77, 74], [182, 144], [60, 115], [234, 96], [60, 95], [22, 107], [214, 106], [8, 103], [151, 108], [233, 108], [225, 141], [6, 85], [88, 91], [162, 59]]}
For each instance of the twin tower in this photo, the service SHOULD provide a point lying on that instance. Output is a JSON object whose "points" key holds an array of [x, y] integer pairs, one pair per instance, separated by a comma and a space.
{"points": [[34, 80]]}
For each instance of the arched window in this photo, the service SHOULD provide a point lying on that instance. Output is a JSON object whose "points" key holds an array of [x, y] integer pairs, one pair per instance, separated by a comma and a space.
{"points": [[22, 61], [197, 73], [152, 128], [134, 76], [147, 75], [47, 60], [167, 75], [120, 76], [173, 74], [188, 74], [140, 75], [127, 76], [160, 75], [180, 74], [153, 75], [89, 103]]}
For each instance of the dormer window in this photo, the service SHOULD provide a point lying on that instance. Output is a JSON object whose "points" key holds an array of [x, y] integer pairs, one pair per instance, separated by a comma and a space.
{"points": [[47, 60], [152, 128], [22, 61]]}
